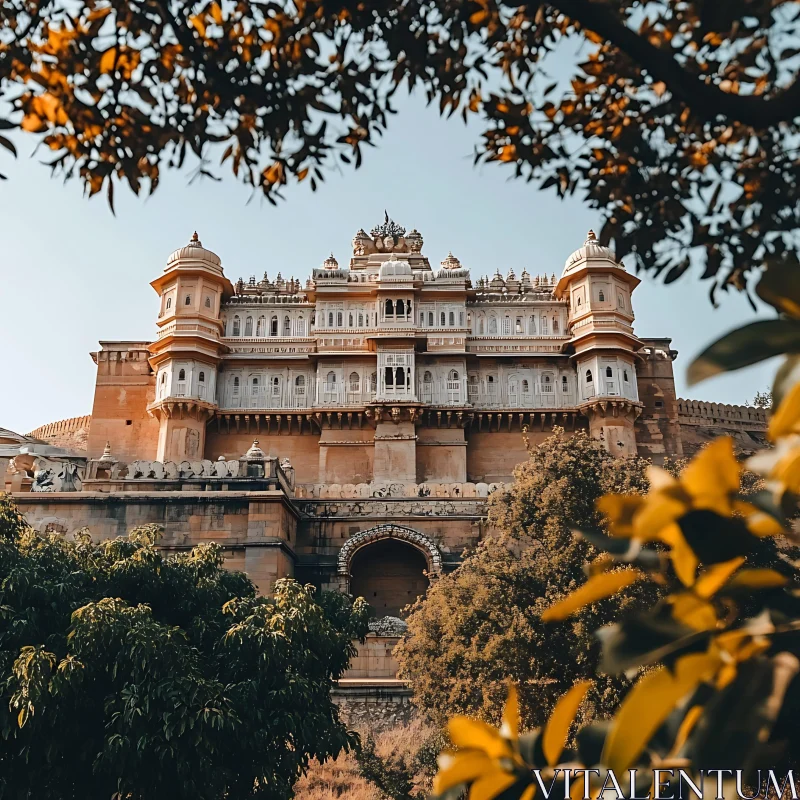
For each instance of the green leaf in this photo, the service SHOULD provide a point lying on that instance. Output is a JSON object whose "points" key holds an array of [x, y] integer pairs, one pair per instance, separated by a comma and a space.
{"points": [[780, 286], [745, 346]]}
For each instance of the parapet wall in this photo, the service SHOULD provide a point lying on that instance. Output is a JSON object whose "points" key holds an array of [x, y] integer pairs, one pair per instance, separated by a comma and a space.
{"points": [[698, 412], [71, 434]]}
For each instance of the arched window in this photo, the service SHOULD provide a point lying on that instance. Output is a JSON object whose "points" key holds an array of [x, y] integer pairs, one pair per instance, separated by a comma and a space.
{"points": [[625, 375], [620, 301], [301, 328], [579, 302], [400, 377], [287, 326], [430, 318], [427, 377], [544, 326], [547, 379], [235, 387], [248, 326], [355, 382], [236, 325], [273, 326], [609, 372], [442, 319], [169, 303], [506, 325], [300, 384], [208, 302], [555, 324], [182, 375], [388, 376], [330, 319], [421, 318], [188, 300], [460, 319], [452, 319], [202, 377], [532, 325], [492, 325], [255, 385], [588, 376], [331, 378], [400, 308], [480, 327], [518, 325], [389, 308], [276, 386], [260, 325], [338, 319], [601, 296], [360, 319], [525, 386], [452, 375], [564, 384], [350, 320]]}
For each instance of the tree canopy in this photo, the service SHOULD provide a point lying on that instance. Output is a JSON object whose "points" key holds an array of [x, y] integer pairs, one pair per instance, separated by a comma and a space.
{"points": [[481, 625], [678, 122], [125, 672]]}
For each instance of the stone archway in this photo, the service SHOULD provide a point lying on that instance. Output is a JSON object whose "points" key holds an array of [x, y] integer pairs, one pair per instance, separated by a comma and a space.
{"points": [[416, 539], [389, 565]]}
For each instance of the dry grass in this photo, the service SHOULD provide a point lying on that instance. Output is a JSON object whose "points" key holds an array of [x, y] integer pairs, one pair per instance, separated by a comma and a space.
{"points": [[340, 778]]}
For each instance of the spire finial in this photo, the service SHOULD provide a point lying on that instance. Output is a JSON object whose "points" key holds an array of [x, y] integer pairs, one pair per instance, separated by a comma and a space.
{"points": [[195, 237], [591, 236]]}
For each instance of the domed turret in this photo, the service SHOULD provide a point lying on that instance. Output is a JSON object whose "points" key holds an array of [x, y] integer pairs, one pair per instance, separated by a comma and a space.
{"points": [[591, 249], [194, 251]]}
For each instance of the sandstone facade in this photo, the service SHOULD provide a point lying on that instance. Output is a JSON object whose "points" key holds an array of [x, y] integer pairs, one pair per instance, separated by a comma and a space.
{"points": [[349, 431]]}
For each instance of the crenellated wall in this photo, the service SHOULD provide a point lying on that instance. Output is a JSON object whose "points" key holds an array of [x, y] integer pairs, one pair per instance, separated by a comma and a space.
{"points": [[71, 434]]}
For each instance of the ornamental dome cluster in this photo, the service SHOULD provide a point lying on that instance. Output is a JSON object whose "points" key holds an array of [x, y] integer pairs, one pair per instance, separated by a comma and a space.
{"points": [[591, 250], [194, 251]]}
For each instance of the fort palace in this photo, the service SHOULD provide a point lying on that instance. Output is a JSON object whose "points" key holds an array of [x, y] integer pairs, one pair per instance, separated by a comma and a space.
{"points": [[348, 430]]}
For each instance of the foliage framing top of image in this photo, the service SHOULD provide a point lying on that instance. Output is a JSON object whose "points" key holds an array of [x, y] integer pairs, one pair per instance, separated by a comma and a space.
{"points": [[675, 124]]}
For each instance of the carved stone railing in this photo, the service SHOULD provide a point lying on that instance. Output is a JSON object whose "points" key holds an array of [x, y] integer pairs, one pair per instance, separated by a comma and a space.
{"points": [[325, 491]]}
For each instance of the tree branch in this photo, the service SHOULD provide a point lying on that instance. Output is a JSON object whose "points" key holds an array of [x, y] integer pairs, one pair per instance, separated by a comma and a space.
{"points": [[705, 99]]}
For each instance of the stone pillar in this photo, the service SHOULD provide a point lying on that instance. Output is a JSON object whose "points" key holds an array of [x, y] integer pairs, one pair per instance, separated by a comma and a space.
{"points": [[395, 452], [614, 427], [181, 439]]}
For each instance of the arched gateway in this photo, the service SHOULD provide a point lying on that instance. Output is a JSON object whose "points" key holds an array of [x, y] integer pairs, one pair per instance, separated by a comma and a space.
{"points": [[388, 565]]}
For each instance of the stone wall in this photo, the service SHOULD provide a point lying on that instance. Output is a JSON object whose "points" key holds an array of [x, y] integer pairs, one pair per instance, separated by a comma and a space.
{"points": [[701, 422], [375, 705], [71, 434], [257, 529]]}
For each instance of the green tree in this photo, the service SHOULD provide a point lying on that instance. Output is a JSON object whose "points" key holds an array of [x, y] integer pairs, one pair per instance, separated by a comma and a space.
{"points": [[128, 673], [678, 121], [480, 626]]}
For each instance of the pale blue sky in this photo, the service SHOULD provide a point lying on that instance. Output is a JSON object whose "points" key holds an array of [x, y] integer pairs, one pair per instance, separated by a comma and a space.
{"points": [[73, 274]]}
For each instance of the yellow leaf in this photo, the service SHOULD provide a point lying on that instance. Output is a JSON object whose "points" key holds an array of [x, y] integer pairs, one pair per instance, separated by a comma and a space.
{"points": [[510, 727], [786, 418], [32, 122], [490, 786], [693, 611], [683, 557], [596, 588], [472, 734], [757, 579], [712, 580], [216, 13], [713, 476], [648, 704], [659, 88], [620, 510], [464, 766], [108, 60], [557, 728], [687, 726]]}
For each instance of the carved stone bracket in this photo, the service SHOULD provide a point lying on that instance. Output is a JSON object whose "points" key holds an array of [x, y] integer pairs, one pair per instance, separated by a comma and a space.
{"points": [[181, 408], [611, 407]]}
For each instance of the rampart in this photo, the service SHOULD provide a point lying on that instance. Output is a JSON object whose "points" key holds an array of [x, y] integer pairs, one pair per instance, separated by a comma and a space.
{"points": [[71, 434]]}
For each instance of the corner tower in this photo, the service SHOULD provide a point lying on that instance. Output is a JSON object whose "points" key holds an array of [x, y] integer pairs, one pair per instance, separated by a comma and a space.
{"points": [[598, 289], [187, 350]]}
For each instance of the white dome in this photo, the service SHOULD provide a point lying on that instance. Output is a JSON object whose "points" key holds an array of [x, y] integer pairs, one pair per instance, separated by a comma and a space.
{"points": [[195, 252], [591, 249], [393, 270]]}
